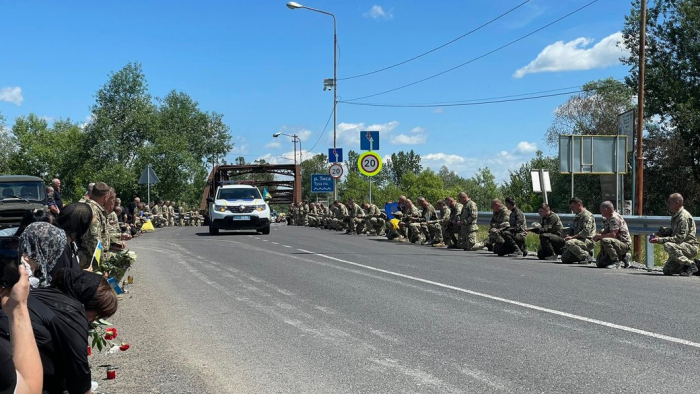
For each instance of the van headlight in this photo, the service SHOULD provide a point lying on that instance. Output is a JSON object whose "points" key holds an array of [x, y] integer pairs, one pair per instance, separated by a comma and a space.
{"points": [[219, 208], [261, 208]]}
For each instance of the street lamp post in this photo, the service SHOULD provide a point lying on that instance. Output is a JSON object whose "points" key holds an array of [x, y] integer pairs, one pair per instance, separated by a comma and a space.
{"points": [[295, 139], [293, 6]]}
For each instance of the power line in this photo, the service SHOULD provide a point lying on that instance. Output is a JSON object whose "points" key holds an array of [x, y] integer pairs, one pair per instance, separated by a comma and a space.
{"points": [[324, 130], [462, 104], [439, 47], [476, 58]]}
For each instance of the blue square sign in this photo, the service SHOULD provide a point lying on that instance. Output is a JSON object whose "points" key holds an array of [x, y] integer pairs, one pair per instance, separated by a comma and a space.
{"points": [[369, 140], [322, 183], [335, 155]]}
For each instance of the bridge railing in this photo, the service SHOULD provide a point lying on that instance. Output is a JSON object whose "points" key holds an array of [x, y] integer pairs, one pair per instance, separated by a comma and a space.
{"points": [[638, 225]]}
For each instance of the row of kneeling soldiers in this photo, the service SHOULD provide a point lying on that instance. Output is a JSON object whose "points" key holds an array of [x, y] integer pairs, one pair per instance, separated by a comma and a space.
{"points": [[454, 225]]}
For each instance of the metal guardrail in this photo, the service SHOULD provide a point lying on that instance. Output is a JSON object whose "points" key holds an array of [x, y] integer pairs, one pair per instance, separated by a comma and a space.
{"points": [[638, 225]]}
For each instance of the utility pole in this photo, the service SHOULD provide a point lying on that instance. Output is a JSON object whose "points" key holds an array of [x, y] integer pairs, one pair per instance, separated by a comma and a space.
{"points": [[639, 160]]}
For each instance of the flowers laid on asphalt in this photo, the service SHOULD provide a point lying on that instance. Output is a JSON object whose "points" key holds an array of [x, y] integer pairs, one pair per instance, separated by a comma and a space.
{"points": [[124, 347], [102, 335], [110, 333]]}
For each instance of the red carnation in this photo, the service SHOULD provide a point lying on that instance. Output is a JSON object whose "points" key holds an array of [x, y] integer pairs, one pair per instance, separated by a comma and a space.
{"points": [[110, 333], [124, 347]]}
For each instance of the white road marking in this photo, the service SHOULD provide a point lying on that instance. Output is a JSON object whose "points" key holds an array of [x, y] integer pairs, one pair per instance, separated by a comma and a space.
{"points": [[286, 246], [275, 243], [518, 303], [264, 240]]}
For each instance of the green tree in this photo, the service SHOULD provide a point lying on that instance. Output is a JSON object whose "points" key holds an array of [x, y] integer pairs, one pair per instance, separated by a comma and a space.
{"points": [[403, 163], [519, 185], [482, 188], [8, 145]]}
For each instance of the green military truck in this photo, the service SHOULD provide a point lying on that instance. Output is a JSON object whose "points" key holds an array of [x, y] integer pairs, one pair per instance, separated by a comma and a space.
{"points": [[20, 194]]}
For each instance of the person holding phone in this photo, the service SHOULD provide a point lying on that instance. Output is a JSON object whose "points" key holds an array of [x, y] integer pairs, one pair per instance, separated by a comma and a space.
{"points": [[20, 365]]}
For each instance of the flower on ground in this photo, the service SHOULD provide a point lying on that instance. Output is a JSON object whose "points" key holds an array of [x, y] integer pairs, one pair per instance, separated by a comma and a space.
{"points": [[110, 333], [124, 347]]}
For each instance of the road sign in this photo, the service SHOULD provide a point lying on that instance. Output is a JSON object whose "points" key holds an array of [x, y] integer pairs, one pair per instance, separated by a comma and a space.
{"points": [[369, 140], [148, 176], [322, 183], [335, 155], [336, 170], [369, 163], [625, 126]]}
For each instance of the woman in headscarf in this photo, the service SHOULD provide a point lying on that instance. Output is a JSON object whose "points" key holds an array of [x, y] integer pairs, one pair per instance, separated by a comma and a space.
{"points": [[75, 220], [61, 317], [42, 245]]}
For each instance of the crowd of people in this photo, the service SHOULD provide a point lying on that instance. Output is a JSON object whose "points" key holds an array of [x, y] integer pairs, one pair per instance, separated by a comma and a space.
{"points": [[453, 224], [44, 332]]}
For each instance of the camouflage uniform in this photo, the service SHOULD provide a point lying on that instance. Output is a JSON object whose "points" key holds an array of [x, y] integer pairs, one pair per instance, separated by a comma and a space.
{"points": [[580, 249], [468, 227], [171, 214], [97, 232], [115, 232], [374, 223], [551, 242], [445, 215], [499, 222], [515, 235], [312, 215], [449, 231], [428, 221], [612, 250], [682, 244], [411, 221], [354, 219]]}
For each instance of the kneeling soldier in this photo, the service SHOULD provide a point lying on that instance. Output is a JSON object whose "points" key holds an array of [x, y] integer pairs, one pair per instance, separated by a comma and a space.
{"points": [[614, 239]]}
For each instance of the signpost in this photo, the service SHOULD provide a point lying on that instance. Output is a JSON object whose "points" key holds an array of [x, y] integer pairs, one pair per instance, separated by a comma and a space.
{"points": [[625, 126], [369, 140], [335, 155], [369, 164], [336, 170], [148, 177], [541, 183], [322, 183]]}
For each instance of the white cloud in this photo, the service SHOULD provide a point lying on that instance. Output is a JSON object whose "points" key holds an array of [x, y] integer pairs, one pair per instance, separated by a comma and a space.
{"points": [[377, 12], [12, 95], [417, 136], [438, 110], [240, 146], [525, 147], [273, 145], [304, 134], [500, 163], [574, 55]]}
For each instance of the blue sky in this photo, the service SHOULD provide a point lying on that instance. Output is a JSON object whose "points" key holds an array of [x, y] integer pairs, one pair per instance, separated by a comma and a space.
{"points": [[262, 66]]}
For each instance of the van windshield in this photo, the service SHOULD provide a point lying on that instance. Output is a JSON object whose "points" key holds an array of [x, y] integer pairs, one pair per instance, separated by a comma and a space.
{"points": [[32, 191], [239, 194]]}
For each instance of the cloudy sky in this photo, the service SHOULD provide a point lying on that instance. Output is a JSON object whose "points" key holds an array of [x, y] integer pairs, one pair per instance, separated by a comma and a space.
{"points": [[262, 66]]}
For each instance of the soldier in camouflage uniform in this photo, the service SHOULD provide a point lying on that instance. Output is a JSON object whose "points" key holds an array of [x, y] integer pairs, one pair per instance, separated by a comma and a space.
{"points": [[467, 223], [579, 244], [516, 232], [500, 220], [550, 231], [171, 214], [311, 216], [374, 222], [449, 232], [355, 218], [99, 228], [614, 239], [341, 211], [439, 240], [680, 241], [429, 222], [411, 217]]}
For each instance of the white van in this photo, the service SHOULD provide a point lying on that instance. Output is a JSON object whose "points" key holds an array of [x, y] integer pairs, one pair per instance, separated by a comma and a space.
{"points": [[238, 207]]}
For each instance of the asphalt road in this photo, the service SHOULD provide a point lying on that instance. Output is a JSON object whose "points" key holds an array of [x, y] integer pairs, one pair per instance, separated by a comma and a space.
{"points": [[312, 311]]}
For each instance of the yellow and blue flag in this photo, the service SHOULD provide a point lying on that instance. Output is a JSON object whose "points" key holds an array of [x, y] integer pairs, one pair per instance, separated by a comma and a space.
{"points": [[98, 252], [266, 194]]}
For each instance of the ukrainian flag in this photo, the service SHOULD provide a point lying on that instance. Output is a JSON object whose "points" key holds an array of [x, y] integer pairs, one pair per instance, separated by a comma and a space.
{"points": [[266, 194], [98, 252]]}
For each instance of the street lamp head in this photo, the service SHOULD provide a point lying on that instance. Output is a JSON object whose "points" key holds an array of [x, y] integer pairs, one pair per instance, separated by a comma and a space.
{"points": [[294, 5], [276, 135]]}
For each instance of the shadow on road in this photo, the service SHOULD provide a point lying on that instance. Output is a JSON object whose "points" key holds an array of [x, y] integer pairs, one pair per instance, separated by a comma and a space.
{"points": [[223, 234]]}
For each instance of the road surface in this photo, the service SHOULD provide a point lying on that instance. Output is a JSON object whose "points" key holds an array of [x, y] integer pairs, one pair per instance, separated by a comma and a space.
{"points": [[312, 311]]}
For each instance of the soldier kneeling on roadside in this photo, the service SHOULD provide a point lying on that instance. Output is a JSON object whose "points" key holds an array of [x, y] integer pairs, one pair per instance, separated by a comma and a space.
{"points": [[550, 231], [680, 241], [614, 240]]}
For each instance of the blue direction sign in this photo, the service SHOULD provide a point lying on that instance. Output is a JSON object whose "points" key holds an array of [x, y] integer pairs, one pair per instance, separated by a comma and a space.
{"points": [[322, 183], [335, 155], [369, 140]]}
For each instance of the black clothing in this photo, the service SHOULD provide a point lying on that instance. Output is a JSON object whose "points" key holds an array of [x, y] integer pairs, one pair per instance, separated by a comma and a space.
{"points": [[57, 198], [550, 245], [8, 375], [69, 259], [61, 331], [513, 243]]}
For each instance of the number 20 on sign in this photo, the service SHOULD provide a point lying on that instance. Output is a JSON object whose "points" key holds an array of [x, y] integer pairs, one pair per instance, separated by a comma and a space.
{"points": [[369, 163]]}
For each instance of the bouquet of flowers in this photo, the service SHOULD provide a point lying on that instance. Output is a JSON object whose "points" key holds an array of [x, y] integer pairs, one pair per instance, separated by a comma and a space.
{"points": [[103, 335], [117, 264]]}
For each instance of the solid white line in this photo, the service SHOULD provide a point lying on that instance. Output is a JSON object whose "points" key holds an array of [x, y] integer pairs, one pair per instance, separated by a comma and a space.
{"points": [[518, 303]]}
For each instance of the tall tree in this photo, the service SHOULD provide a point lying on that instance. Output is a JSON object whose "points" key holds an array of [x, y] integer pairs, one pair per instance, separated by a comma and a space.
{"points": [[672, 78], [403, 163]]}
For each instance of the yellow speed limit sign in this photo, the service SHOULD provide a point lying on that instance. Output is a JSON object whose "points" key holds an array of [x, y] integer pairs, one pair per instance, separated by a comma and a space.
{"points": [[369, 163]]}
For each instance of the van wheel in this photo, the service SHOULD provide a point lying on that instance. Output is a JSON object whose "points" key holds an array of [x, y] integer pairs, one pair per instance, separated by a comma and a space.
{"points": [[213, 230], [265, 230]]}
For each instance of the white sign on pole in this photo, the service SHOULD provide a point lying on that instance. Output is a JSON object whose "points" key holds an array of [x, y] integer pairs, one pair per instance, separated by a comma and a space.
{"points": [[537, 182], [625, 126], [336, 170]]}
